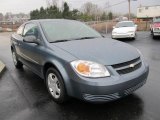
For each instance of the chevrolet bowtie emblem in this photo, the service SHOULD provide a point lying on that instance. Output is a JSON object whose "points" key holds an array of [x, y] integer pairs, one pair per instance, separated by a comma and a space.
{"points": [[131, 65]]}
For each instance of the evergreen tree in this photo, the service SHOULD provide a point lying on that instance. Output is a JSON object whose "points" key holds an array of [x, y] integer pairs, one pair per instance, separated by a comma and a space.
{"points": [[66, 12], [110, 15], [104, 16], [42, 13]]}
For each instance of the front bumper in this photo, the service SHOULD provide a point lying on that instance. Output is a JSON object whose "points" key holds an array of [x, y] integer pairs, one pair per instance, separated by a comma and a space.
{"points": [[109, 88], [123, 35], [156, 33]]}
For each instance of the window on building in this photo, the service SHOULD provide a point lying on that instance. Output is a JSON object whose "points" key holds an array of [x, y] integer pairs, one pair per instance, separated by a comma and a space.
{"points": [[146, 8], [140, 10]]}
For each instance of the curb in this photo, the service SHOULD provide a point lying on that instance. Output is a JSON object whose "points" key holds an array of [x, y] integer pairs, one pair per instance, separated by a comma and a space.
{"points": [[2, 68]]}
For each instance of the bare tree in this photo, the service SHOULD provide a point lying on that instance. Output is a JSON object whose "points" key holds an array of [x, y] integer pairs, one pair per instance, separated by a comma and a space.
{"points": [[91, 9], [51, 3]]}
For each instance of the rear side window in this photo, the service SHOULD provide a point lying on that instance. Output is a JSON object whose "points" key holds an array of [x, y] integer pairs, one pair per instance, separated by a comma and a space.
{"points": [[20, 30]]}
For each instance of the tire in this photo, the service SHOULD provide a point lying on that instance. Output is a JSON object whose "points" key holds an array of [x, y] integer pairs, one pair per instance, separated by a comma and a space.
{"points": [[135, 36], [16, 62], [55, 86], [153, 36]]}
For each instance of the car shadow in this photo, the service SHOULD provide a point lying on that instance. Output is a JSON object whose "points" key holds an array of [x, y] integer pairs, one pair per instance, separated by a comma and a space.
{"points": [[156, 38], [125, 39], [124, 108]]}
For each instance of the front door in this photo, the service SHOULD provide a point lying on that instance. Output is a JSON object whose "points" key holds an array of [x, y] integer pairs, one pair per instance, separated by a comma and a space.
{"points": [[31, 53]]}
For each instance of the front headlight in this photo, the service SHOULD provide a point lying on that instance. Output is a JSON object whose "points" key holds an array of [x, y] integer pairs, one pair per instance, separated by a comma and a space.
{"points": [[90, 69]]}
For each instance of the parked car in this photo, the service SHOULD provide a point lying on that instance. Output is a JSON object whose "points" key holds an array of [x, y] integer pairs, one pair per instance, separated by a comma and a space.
{"points": [[124, 29], [155, 27], [76, 61], [8, 29]]}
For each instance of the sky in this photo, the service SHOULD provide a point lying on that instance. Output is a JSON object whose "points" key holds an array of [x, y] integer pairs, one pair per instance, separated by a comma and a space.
{"points": [[25, 6]]}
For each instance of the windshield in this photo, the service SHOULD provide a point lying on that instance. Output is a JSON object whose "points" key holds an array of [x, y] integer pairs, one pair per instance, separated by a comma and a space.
{"points": [[125, 24], [58, 30], [156, 20]]}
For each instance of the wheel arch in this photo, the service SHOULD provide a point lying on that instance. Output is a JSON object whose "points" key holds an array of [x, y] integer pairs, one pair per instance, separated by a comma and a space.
{"points": [[58, 66], [46, 66], [12, 48]]}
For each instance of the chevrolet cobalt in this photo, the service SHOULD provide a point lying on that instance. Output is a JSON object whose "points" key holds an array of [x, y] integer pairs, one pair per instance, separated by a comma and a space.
{"points": [[76, 61]]}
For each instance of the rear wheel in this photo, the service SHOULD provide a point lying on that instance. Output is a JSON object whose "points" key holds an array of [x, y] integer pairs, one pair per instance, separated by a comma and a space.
{"points": [[16, 62], [55, 85]]}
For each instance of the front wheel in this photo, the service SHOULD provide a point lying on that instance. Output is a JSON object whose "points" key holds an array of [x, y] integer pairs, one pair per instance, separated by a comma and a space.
{"points": [[55, 85], [16, 62], [153, 36], [134, 38], [151, 32]]}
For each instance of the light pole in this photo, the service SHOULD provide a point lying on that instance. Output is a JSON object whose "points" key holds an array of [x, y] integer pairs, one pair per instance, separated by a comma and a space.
{"points": [[107, 17], [129, 5]]}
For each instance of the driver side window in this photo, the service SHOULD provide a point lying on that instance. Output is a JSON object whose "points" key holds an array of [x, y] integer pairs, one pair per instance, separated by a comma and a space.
{"points": [[31, 29]]}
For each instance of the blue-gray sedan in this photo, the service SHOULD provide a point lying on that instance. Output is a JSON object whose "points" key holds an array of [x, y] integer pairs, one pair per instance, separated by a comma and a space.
{"points": [[76, 61]]}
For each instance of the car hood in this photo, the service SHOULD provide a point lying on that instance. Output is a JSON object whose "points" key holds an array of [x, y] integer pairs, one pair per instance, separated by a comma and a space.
{"points": [[101, 50], [156, 24], [124, 29]]}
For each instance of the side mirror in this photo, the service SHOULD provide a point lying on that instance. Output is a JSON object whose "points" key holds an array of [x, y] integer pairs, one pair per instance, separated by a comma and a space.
{"points": [[31, 39], [136, 25], [114, 27]]}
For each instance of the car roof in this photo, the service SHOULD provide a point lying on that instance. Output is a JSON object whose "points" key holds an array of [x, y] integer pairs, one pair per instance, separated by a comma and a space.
{"points": [[54, 20]]}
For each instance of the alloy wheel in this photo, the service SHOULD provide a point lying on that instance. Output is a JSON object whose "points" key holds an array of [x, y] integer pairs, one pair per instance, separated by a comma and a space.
{"points": [[14, 58], [54, 85]]}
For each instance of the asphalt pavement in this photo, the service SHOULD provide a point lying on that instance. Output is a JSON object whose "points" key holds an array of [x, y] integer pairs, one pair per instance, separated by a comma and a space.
{"points": [[23, 95]]}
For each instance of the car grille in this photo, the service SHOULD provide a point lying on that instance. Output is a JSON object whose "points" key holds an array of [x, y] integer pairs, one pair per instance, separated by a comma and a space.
{"points": [[101, 98], [128, 67]]}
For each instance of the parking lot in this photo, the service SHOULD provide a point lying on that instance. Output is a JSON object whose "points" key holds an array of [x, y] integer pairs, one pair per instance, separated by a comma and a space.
{"points": [[23, 95]]}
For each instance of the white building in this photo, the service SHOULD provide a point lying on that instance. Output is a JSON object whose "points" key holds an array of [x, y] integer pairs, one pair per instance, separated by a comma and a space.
{"points": [[148, 11]]}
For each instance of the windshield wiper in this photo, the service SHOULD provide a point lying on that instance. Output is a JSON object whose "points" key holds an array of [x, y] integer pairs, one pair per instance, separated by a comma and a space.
{"points": [[65, 40], [124, 26], [60, 41], [85, 38]]}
